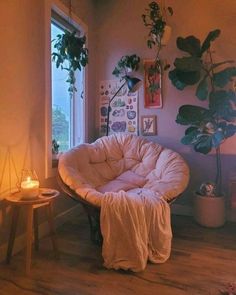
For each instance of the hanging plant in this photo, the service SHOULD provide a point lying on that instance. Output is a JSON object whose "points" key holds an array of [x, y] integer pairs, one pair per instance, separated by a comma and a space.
{"points": [[127, 63], [71, 54], [155, 20]]}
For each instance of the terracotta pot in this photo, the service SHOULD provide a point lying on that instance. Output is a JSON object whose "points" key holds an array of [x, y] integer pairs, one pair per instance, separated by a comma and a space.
{"points": [[209, 211]]}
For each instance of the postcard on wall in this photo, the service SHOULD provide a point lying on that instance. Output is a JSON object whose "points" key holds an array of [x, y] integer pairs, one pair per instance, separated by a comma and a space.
{"points": [[124, 108], [149, 125], [152, 92]]}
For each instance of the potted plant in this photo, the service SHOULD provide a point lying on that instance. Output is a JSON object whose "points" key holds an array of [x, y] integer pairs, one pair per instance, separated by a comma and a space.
{"points": [[209, 126], [159, 33], [55, 149], [127, 64], [71, 54]]}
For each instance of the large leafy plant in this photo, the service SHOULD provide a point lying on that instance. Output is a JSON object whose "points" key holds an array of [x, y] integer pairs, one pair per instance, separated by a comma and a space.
{"points": [[208, 127], [71, 54]]}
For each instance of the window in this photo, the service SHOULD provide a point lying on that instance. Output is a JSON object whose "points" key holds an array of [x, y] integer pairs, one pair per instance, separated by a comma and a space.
{"points": [[65, 117], [68, 113]]}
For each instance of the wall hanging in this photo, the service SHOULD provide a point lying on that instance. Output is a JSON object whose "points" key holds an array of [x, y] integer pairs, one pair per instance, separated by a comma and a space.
{"points": [[152, 87], [149, 125], [123, 108], [119, 99]]}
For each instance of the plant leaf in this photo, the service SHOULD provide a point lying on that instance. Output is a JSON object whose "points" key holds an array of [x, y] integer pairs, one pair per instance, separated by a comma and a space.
{"points": [[222, 103], [223, 77], [217, 138], [210, 37], [188, 64], [188, 78], [202, 89], [191, 136], [192, 115], [229, 130], [203, 145], [189, 44], [175, 80], [190, 129]]}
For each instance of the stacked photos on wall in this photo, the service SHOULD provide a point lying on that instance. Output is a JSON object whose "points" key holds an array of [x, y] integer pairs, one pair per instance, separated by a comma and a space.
{"points": [[124, 108]]}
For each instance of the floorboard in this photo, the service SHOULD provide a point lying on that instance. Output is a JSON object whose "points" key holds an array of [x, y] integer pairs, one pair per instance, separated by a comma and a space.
{"points": [[202, 262]]}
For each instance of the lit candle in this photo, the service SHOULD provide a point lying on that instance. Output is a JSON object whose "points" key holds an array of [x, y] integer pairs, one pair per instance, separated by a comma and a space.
{"points": [[29, 188]]}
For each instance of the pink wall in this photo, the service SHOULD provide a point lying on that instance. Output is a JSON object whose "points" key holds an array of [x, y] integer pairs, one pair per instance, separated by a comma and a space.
{"points": [[22, 95], [121, 32]]}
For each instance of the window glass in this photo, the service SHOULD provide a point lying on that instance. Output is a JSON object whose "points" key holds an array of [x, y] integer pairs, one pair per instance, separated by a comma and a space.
{"points": [[67, 112]]}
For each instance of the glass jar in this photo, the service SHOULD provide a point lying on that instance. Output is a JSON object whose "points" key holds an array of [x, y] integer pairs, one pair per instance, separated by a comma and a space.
{"points": [[29, 185]]}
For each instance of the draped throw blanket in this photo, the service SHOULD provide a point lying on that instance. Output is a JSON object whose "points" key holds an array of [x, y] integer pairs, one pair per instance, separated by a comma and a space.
{"points": [[136, 227]]}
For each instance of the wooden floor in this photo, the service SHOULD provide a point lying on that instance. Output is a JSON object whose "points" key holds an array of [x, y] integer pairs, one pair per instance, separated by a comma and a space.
{"points": [[202, 262]]}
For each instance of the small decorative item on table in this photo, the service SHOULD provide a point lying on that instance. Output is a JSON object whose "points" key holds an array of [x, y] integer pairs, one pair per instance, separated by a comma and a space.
{"points": [[149, 125], [29, 186]]}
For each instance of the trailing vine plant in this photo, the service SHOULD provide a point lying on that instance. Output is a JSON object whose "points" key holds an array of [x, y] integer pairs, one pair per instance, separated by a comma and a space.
{"points": [[127, 63], [70, 55], [155, 20], [208, 127]]}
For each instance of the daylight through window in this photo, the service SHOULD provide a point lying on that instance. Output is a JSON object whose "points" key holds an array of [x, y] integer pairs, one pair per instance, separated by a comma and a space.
{"points": [[67, 112]]}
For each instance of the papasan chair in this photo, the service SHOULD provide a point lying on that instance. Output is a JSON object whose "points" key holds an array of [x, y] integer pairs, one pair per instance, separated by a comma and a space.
{"points": [[125, 184], [119, 162]]}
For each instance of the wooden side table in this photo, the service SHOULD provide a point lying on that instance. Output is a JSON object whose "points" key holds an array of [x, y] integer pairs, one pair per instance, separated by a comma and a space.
{"points": [[45, 198]]}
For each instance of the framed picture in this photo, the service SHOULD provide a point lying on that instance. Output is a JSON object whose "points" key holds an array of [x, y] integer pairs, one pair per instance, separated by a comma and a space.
{"points": [[149, 125], [152, 88]]}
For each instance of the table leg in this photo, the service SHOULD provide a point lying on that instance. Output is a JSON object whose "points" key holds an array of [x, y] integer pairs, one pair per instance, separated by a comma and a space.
{"points": [[29, 237], [52, 230], [14, 222], [36, 230]]}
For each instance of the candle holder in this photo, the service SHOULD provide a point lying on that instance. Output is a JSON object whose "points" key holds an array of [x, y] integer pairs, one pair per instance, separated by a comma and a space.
{"points": [[29, 185]]}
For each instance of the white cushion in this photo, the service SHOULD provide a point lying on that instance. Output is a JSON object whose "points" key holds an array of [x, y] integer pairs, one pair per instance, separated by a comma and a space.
{"points": [[123, 162]]}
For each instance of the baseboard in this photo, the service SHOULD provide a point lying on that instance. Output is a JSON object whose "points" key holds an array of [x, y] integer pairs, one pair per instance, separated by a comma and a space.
{"points": [[178, 209], [43, 230]]}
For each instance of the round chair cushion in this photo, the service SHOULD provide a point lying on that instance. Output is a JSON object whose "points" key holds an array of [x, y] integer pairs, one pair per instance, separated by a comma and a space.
{"points": [[122, 162]]}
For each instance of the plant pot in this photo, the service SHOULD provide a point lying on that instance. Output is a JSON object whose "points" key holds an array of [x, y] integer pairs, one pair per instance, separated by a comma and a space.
{"points": [[209, 211]]}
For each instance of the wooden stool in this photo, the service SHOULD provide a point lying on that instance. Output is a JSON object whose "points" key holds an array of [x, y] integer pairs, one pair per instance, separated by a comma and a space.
{"points": [[45, 198]]}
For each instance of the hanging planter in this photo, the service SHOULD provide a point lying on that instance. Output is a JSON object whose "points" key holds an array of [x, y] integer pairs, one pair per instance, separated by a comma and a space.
{"points": [[70, 55], [159, 34]]}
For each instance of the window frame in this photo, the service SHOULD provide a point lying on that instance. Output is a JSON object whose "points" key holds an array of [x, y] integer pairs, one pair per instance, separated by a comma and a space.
{"points": [[63, 12]]}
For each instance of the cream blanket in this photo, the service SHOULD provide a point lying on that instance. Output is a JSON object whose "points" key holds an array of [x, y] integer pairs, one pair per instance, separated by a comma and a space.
{"points": [[136, 228]]}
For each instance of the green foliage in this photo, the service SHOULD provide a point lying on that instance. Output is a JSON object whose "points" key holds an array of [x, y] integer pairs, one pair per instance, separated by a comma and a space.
{"points": [[55, 147], [125, 64], [60, 129], [155, 20], [70, 48], [208, 127]]}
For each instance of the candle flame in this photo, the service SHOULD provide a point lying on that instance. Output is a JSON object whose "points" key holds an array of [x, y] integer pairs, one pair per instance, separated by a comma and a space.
{"points": [[28, 179]]}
